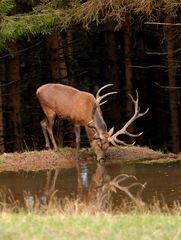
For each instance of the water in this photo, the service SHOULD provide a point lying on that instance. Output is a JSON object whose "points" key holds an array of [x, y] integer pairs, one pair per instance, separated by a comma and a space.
{"points": [[163, 181]]}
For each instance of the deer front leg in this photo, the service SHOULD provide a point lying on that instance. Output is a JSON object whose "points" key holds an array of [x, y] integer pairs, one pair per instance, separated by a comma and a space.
{"points": [[77, 139]]}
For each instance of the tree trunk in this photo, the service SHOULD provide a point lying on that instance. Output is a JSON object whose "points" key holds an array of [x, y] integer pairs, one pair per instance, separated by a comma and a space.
{"points": [[175, 131], [59, 73], [128, 68], [69, 53], [57, 59], [112, 76], [69, 44], [13, 92], [30, 83], [2, 80]]}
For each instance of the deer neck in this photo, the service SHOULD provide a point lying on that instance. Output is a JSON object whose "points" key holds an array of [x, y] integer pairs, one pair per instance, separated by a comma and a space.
{"points": [[99, 121]]}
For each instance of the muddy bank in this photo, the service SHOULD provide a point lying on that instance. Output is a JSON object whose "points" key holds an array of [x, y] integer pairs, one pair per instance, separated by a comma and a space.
{"points": [[65, 158]]}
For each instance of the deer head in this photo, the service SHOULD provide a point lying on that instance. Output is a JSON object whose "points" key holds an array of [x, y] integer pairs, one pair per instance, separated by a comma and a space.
{"points": [[103, 138]]}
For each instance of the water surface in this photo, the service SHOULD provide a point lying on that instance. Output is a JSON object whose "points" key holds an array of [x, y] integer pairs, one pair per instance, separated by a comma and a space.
{"points": [[163, 181]]}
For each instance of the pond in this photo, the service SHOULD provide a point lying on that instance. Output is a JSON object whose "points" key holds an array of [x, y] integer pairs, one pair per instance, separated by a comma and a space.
{"points": [[163, 181]]}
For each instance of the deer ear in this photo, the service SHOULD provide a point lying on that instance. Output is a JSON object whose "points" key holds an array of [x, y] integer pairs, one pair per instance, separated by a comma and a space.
{"points": [[110, 133]]}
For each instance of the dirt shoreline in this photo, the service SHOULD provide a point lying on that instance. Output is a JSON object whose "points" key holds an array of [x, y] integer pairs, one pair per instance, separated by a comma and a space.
{"points": [[65, 158]]}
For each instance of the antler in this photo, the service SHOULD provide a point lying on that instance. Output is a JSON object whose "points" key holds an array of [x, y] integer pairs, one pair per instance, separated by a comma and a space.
{"points": [[98, 103], [115, 184], [100, 98], [113, 139]]}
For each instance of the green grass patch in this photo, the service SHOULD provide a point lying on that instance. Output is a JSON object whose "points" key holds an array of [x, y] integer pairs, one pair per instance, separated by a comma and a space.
{"points": [[100, 226], [78, 220]]}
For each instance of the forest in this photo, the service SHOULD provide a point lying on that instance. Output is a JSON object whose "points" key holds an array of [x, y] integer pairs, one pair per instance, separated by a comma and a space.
{"points": [[135, 45]]}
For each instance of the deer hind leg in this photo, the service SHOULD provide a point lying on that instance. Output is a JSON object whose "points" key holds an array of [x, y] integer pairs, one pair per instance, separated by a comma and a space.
{"points": [[47, 126], [44, 125], [51, 118], [77, 139]]}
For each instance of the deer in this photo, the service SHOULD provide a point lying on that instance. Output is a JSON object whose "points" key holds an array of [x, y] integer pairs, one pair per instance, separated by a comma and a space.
{"points": [[82, 109]]}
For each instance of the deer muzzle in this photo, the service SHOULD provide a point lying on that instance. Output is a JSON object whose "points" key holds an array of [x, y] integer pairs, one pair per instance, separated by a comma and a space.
{"points": [[100, 153]]}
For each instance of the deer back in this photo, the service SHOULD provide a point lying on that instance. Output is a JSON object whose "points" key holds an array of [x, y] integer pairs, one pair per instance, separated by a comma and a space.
{"points": [[67, 102]]}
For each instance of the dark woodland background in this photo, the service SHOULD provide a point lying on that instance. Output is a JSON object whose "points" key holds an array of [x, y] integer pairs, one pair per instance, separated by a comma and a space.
{"points": [[137, 50]]}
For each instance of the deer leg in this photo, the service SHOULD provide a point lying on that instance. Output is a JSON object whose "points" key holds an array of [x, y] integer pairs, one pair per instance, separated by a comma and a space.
{"points": [[51, 119], [77, 139], [44, 125]]}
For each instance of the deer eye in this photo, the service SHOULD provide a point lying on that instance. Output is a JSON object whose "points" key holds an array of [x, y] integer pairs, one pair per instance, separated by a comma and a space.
{"points": [[99, 144], [103, 144]]}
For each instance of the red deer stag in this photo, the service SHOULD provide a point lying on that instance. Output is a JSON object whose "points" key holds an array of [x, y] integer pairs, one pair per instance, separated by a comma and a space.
{"points": [[83, 109]]}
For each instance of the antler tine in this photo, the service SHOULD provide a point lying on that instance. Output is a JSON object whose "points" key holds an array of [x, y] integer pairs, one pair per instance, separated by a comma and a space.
{"points": [[135, 184], [137, 108], [116, 184], [113, 139], [137, 97], [122, 177], [98, 102], [126, 190], [98, 92], [99, 98]]}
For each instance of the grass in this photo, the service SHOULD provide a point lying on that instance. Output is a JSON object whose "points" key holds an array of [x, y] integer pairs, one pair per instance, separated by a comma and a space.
{"points": [[99, 226], [74, 219]]}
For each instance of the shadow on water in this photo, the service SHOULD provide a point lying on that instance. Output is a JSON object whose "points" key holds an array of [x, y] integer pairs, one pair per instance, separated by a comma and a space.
{"points": [[87, 181]]}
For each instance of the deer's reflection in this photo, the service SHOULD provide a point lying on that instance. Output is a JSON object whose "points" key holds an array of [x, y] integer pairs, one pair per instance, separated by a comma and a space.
{"points": [[102, 186], [48, 192], [98, 180], [88, 186], [96, 188], [50, 185]]}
